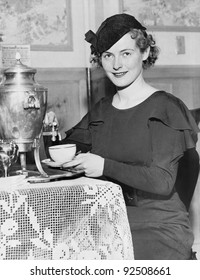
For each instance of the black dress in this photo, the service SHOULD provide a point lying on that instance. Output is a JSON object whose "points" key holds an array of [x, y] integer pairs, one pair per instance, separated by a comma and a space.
{"points": [[142, 147]]}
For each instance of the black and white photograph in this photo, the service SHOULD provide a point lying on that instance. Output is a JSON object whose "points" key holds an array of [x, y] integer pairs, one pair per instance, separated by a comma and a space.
{"points": [[99, 139]]}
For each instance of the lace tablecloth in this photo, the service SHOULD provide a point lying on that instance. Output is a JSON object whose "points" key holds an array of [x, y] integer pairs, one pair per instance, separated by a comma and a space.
{"points": [[70, 219]]}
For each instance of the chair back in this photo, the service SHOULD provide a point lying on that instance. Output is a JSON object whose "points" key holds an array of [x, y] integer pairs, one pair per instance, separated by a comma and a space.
{"points": [[187, 176]]}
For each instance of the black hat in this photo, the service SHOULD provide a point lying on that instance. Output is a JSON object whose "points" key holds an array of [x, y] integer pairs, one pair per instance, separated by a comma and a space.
{"points": [[110, 31]]}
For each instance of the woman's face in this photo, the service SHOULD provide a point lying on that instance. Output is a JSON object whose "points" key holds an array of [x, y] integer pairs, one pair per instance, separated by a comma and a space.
{"points": [[123, 61]]}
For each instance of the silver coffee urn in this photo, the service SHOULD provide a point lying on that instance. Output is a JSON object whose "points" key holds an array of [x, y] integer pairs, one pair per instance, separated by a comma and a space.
{"points": [[23, 104]]}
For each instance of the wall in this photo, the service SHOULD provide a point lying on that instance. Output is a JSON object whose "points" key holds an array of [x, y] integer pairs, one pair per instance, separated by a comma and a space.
{"points": [[88, 14], [85, 15], [168, 48]]}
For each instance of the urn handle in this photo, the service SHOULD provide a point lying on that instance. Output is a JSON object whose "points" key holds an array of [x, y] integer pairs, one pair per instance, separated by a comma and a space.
{"points": [[31, 101]]}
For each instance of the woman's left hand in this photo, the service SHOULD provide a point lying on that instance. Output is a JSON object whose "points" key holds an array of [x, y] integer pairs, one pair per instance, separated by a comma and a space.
{"points": [[91, 164]]}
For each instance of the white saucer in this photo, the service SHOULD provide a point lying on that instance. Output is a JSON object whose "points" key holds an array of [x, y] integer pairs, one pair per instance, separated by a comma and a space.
{"points": [[52, 163]]}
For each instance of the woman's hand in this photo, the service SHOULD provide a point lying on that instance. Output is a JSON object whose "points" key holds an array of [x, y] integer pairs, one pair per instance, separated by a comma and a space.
{"points": [[91, 164]]}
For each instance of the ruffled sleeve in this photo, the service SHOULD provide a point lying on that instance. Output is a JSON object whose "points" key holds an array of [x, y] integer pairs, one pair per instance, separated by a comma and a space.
{"points": [[174, 113], [81, 132]]}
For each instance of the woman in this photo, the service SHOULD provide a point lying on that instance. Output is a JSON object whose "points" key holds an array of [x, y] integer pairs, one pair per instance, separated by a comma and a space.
{"points": [[136, 139]]}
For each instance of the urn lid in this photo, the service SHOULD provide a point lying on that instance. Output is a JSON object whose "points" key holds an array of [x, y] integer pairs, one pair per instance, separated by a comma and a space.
{"points": [[18, 67]]}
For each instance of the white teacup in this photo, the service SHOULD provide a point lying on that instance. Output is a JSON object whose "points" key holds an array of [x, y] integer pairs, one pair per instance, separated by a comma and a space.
{"points": [[62, 153]]}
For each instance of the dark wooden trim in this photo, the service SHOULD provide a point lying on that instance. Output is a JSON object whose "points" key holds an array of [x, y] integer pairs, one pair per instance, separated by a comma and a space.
{"points": [[180, 71], [176, 71], [71, 74]]}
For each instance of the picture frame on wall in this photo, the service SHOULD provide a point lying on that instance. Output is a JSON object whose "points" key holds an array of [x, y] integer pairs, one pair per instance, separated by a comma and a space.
{"points": [[45, 25], [165, 15]]}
